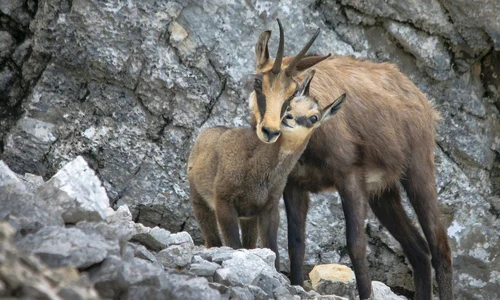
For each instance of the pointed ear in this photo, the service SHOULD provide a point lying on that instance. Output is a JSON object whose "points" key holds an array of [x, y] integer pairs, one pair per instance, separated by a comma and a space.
{"points": [[310, 61], [261, 50], [304, 87], [332, 108]]}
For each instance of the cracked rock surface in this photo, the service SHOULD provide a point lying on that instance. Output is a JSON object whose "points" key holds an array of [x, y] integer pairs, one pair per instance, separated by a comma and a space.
{"points": [[129, 85]]}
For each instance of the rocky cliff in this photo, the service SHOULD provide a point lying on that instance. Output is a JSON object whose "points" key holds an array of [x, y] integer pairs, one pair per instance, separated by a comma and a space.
{"points": [[129, 85]]}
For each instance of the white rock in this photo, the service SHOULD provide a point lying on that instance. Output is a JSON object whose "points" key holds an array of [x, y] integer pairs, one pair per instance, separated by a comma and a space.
{"points": [[122, 214], [383, 292], [76, 192]]}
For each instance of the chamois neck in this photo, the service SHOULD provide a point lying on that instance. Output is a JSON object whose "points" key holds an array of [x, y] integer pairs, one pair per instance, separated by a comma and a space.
{"points": [[282, 154], [290, 145]]}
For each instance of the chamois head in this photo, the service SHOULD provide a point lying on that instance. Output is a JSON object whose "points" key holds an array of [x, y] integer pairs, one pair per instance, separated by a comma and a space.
{"points": [[303, 114], [274, 87]]}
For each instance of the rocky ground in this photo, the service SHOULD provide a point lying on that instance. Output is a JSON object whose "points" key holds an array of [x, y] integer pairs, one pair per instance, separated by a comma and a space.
{"points": [[75, 246], [128, 85]]}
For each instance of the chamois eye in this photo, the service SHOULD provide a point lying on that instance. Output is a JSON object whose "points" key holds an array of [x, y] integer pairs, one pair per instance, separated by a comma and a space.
{"points": [[313, 119], [288, 117]]}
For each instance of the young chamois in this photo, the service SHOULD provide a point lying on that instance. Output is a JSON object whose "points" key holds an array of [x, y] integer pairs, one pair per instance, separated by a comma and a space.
{"points": [[384, 135], [232, 174]]}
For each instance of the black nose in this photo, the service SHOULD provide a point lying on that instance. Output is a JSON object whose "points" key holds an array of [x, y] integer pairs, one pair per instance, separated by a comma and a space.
{"points": [[269, 133]]}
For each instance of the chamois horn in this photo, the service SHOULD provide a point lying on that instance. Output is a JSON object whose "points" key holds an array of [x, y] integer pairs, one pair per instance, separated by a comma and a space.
{"points": [[279, 56], [291, 67]]}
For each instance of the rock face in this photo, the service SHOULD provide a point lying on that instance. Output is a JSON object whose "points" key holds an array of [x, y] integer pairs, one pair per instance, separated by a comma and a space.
{"points": [[128, 86]]}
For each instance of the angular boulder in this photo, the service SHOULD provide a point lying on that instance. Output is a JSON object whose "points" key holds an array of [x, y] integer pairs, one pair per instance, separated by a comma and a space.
{"points": [[77, 193]]}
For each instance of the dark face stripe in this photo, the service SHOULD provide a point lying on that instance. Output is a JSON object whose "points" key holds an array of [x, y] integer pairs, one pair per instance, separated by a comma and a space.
{"points": [[261, 98], [285, 107], [303, 121], [261, 103]]}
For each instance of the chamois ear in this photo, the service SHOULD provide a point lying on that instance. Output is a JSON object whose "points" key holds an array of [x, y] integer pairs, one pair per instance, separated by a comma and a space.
{"points": [[310, 61], [332, 108], [261, 49], [304, 87]]}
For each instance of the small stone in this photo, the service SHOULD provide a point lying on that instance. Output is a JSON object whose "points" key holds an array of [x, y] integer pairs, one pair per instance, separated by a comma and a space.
{"points": [[155, 238], [333, 279], [176, 256], [383, 292], [122, 214], [141, 252], [267, 255], [180, 238], [201, 267]]}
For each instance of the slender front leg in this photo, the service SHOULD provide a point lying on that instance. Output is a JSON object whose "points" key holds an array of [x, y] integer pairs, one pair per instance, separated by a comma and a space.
{"points": [[352, 190], [249, 232], [206, 219], [297, 205], [228, 222], [268, 229]]}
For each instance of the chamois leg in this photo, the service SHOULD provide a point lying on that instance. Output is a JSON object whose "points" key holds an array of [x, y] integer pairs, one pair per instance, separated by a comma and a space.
{"points": [[227, 217], [420, 187], [206, 219], [388, 209], [249, 232], [352, 191], [268, 229], [296, 205]]}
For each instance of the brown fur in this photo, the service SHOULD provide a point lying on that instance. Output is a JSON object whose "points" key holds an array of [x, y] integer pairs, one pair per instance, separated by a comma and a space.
{"points": [[232, 174], [383, 135]]}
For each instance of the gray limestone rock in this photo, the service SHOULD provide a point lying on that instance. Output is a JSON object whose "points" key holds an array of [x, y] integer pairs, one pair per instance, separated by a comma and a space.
{"points": [[76, 192], [121, 215], [383, 292], [155, 238], [23, 276], [179, 252], [60, 247], [201, 267], [19, 205]]}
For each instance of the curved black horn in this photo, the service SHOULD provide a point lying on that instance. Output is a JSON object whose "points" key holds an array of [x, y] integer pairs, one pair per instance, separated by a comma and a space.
{"points": [[279, 56], [291, 67]]}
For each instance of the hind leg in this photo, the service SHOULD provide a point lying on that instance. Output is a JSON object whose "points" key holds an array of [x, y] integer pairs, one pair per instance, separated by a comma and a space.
{"points": [[206, 219], [388, 209], [249, 232], [420, 187]]}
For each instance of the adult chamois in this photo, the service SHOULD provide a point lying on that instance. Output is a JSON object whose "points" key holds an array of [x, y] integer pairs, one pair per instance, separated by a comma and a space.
{"points": [[384, 135], [233, 175]]}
